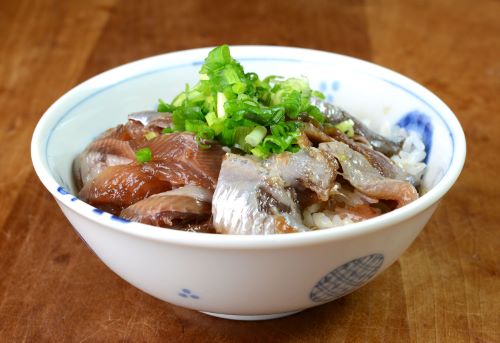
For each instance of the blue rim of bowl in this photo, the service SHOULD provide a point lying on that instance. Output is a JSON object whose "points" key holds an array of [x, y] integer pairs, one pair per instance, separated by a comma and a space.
{"points": [[232, 241]]}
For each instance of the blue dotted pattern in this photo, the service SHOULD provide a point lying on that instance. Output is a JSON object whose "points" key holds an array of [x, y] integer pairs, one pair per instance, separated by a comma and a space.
{"points": [[97, 211], [346, 278], [62, 190], [329, 89], [186, 293], [421, 124]]}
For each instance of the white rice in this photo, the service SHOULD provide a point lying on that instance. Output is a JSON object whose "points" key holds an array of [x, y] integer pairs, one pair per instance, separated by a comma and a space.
{"points": [[410, 159], [411, 156], [325, 219]]}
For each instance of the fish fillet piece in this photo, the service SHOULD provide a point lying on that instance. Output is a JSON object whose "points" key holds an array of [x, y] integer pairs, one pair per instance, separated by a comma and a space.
{"points": [[180, 160], [378, 160], [152, 119], [307, 169], [177, 208], [100, 154], [248, 202], [256, 197], [335, 115], [140, 123], [365, 178], [118, 187], [117, 145]]}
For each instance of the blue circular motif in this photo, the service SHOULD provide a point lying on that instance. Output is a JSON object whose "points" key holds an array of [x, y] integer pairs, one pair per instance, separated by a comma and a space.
{"points": [[346, 278]]}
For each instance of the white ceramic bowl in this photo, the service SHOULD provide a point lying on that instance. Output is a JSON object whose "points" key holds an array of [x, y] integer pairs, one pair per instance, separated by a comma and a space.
{"points": [[247, 277]]}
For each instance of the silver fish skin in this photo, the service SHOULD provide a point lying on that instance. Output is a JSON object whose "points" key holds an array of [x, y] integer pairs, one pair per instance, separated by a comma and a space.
{"points": [[148, 117], [309, 168], [364, 177], [174, 209], [247, 201], [335, 115], [100, 154], [259, 197]]}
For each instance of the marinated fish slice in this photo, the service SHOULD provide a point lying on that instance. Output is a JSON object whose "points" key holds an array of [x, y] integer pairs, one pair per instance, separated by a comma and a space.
{"points": [[100, 154], [180, 160], [378, 160], [364, 177], [314, 134], [335, 115], [147, 118], [118, 187], [127, 132], [350, 197], [382, 163], [309, 168], [249, 202], [151, 121], [116, 146], [178, 208], [303, 141], [138, 125]]}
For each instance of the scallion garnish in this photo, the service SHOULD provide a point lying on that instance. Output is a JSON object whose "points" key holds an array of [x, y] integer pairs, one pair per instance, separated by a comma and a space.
{"points": [[347, 127], [240, 110], [256, 136], [150, 135], [143, 155]]}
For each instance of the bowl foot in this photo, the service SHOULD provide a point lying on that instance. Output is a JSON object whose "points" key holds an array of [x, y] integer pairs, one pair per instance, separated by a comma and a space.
{"points": [[251, 317]]}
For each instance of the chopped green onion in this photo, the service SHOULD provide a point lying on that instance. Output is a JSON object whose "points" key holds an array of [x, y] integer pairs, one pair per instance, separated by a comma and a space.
{"points": [[211, 118], [315, 113], [221, 100], [150, 135], [167, 130], [239, 109], [194, 125], [179, 99], [164, 107], [143, 155], [256, 136], [347, 127], [260, 152], [318, 94]]}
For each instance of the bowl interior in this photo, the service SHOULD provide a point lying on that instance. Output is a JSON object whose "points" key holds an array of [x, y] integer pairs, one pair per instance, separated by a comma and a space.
{"points": [[367, 91]]}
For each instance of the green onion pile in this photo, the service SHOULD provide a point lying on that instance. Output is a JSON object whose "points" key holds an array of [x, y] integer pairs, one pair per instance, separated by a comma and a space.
{"points": [[239, 110]]}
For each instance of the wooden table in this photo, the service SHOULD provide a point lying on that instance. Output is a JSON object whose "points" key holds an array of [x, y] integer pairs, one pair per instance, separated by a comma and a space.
{"points": [[444, 288]]}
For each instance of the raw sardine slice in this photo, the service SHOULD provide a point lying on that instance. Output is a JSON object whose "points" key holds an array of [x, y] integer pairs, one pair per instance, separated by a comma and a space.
{"points": [[247, 201], [180, 160], [179, 208], [381, 162], [378, 160], [99, 155], [364, 177], [147, 118], [335, 115], [307, 169], [118, 187]]}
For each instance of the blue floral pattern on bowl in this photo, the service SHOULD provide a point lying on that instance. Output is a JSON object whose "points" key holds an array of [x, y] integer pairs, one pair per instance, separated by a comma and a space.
{"points": [[346, 278], [420, 123], [186, 293]]}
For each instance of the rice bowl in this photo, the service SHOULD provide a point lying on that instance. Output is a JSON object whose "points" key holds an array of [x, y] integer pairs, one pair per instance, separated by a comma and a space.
{"points": [[186, 269]]}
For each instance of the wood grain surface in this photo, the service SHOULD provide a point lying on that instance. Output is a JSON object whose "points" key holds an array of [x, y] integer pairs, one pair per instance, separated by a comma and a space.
{"points": [[445, 288]]}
